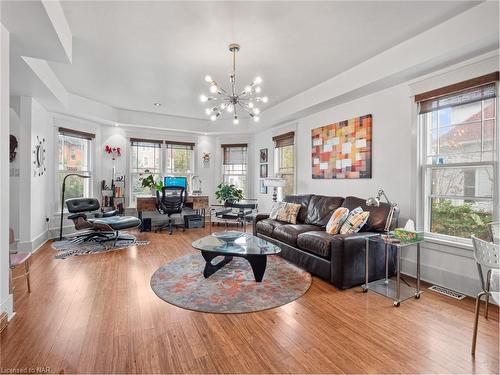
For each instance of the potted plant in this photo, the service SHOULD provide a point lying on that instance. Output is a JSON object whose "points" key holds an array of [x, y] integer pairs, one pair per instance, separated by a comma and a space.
{"points": [[228, 193], [149, 182]]}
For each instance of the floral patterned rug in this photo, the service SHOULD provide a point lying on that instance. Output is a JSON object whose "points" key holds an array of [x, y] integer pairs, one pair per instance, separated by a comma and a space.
{"points": [[232, 289]]}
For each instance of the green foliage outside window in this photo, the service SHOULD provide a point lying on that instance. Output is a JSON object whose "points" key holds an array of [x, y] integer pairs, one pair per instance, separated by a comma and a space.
{"points": [[459, 221]]}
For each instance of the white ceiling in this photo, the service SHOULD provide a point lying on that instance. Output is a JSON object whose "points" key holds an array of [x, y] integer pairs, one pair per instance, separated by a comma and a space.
{"points": [[132, 54]]}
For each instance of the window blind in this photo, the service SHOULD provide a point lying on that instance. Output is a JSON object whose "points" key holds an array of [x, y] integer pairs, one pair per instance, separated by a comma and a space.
{"points": [[234, 153], [180, 145], [459, 98], [283, 140], [76, 133], [457, 87], [140, 142]]}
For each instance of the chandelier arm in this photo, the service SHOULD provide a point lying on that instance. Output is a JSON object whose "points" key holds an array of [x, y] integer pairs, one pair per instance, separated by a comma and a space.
{"points": [[246, 109]]}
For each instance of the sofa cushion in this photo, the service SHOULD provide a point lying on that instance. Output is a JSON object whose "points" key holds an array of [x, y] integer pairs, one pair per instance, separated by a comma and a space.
{"points": [[317, 242], [321, 209], [378, 215], [267, 226], [288, 233], [303, 200]]}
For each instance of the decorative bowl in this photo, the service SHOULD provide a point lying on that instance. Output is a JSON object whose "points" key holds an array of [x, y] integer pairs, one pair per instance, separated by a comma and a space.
{"points": [[229, 236]]}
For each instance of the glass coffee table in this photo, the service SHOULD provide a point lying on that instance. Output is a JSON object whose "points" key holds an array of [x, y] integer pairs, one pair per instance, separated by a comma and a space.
{"points": [[235, 244]]}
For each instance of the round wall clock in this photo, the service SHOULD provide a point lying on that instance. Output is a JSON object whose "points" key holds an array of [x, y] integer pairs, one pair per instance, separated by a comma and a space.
{"points": [[39, 153]]}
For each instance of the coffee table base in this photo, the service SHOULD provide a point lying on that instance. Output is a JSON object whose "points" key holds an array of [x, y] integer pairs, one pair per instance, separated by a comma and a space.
{"points": [[257, 262]]}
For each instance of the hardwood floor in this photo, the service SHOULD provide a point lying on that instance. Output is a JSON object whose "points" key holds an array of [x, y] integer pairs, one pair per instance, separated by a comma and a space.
{"points": [[97, 314]]}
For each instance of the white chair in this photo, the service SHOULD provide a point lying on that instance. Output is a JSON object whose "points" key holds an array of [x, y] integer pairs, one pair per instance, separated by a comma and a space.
{"points": [[494, 229], [486, 255]]}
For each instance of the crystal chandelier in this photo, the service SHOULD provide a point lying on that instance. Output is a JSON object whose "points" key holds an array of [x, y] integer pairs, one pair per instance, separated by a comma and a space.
{"points": [[231, 100]]}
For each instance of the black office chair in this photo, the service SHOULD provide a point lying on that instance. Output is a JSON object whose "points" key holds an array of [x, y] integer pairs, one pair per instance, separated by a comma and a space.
{"points": [[171, 202]]}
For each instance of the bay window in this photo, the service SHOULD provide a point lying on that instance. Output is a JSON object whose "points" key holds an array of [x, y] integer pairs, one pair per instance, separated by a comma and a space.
{"points": [[74, 156], [234, 165], [460, 182], [284, 157], [145, 160]]}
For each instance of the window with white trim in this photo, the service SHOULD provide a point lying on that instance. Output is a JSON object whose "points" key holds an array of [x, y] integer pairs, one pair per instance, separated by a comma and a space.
{"points": [[234, 165], [74, 157], [180, 158], [460, 181], [284, 161], [145, 160]]}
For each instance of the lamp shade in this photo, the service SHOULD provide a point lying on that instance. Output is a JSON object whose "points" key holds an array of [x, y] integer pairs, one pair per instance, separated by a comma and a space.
{"points": [[275, 182]]}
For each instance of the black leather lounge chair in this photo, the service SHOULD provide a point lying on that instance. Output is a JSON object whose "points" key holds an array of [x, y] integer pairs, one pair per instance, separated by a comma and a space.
{"points": [[104, 226]]}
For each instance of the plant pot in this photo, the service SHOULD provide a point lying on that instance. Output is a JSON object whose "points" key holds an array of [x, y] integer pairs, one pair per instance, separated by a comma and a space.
{"points": [[153, 192]]}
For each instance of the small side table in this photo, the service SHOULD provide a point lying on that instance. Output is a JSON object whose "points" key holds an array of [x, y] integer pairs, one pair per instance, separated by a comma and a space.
{"points": [[392, 288]]}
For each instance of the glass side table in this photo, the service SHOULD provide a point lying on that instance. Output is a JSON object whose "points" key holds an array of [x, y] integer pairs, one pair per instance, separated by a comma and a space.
{"points": [[387, 287]]}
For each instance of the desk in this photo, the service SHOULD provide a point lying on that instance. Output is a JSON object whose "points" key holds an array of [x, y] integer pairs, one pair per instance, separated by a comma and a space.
{"points": [[198, 203]]}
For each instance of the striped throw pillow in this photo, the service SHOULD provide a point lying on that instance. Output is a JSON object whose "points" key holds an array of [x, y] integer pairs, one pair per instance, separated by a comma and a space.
{"points": [[355, 221], [338, 217]]}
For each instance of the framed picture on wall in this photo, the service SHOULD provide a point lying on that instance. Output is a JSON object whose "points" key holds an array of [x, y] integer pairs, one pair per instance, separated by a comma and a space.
{"points": [[263, 155], [263, 170], [263, 188], [343, 150]]}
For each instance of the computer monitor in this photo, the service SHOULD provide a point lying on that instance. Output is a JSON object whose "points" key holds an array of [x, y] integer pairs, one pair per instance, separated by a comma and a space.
{"points": [[175, 181]]}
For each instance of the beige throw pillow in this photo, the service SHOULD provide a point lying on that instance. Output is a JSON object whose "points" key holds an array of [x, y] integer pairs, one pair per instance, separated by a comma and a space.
{"points": [[289, 213]]}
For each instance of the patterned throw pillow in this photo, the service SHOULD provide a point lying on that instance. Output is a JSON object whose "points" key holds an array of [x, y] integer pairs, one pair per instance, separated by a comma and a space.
{"points": [[275, 210], [355, 221], [335, 223], [289, 213]]}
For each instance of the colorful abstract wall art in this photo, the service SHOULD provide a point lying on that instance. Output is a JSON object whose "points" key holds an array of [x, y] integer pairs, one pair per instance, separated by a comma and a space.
{"points": [[343, 150]]}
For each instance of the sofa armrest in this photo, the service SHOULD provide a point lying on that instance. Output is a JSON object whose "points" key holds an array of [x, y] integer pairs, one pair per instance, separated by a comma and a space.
{"points": [[348, 259], [260, 216], [256, 218]]}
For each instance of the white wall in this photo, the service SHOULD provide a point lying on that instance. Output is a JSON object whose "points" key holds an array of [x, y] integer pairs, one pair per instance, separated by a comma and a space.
{"points": [[30, 195], [40, 185], [118, 136], [6, 301], [394, 167], [14, 178], [391, 168]]}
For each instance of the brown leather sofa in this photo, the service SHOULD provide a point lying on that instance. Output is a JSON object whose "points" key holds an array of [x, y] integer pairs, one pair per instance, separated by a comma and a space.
{"points": [[340, 258]]}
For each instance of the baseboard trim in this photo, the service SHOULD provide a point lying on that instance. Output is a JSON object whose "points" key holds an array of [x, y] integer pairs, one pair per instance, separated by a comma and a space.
{"points": [[33, 245], [438, 276]]}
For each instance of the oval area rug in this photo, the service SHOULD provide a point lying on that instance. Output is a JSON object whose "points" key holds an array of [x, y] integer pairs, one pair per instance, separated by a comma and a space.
{"points": [[232, 289]]}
